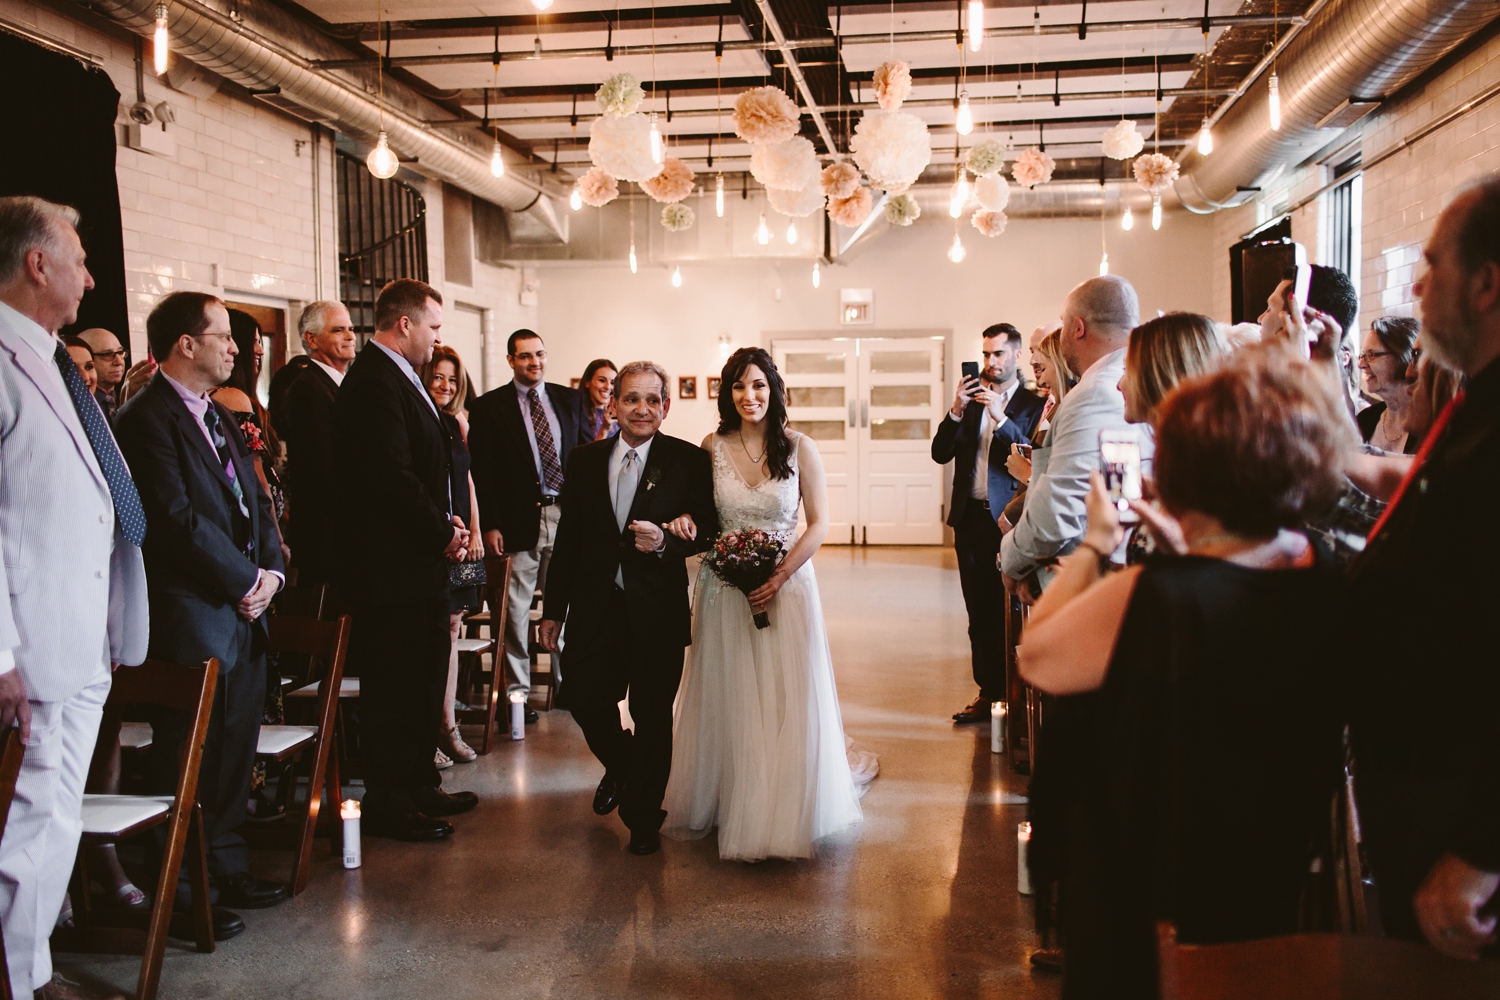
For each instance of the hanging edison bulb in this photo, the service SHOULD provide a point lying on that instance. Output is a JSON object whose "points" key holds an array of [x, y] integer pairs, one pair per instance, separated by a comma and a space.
{"points": [[965, 121], [575, 200], [976, 25], [497, 165], [1156, 212], [1275, 102], [719, 197], [541, 4], [817, 273], [763, 231], [632, 257], [1104, 264], [956, 252], [657, 152], [791, 232], [159, 40], [959, 197], [1127, 220], [382, 160], [1205, 139], [677, 277]]}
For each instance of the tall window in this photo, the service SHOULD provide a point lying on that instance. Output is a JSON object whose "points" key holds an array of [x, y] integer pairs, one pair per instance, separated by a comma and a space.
{"points": [[382, 236], [1342, 232]]}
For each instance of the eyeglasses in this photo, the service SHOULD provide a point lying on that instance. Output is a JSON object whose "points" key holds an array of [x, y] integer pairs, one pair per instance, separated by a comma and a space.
{"points": [[109, 355], [216, 336], [1365, 357]]}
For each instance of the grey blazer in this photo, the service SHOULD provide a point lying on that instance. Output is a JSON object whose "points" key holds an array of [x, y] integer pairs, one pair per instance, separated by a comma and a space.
{"points": [[77, 588]]}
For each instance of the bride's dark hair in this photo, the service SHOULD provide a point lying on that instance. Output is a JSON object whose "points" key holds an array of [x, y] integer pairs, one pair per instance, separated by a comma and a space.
{"points": [[778, 446]]}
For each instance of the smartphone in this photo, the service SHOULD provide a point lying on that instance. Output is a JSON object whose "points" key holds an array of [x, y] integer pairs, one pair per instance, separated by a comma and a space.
{"points": [[1024, 450], [968, 370], [1300, 274], [1120, 462]]}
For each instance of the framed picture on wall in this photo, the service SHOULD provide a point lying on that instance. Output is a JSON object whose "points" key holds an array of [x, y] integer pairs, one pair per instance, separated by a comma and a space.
{"points": [[713, 386], [575, 382], [687, 387]]}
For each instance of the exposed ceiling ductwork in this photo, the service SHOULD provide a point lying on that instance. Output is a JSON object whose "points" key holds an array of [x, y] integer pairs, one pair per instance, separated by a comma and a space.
{"points": [[265, 50], [1351, 55]]}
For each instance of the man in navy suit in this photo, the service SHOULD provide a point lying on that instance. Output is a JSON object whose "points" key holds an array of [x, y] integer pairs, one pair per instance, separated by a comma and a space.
{"points": [[989, 415]]}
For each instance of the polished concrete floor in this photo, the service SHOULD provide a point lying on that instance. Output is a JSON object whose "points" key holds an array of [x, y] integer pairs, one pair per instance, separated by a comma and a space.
{"points": [[535, 896]]}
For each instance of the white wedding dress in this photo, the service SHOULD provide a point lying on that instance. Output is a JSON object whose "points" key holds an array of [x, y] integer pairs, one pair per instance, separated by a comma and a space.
{"points": [[759, 748]]}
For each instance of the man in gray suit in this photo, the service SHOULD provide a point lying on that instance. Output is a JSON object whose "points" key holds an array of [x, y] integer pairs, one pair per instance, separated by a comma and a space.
{"points": [[1097, 317], [71, 526]]}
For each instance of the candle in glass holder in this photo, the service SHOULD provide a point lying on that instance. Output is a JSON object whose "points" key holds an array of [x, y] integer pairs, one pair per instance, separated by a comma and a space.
{"points": [[997, 727], [517, 715], [1023, 845], [349, 813]]}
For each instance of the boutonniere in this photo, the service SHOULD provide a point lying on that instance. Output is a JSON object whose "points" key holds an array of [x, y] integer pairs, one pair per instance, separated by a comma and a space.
{"points": [[653, 476]]}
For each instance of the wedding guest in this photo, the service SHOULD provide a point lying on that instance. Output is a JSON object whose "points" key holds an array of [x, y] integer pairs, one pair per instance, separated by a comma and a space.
{"points": [[447, 383], [1329, 291], [521, 436], [136, 377], [1432, 388], [109, 366], [83, 359], [213, 562], [1097, 318], [239, 396], [1163, 352], [73, 579], [1178, 770], [1383, 360], [280, 383], [316, 521], [390, 446], [988, 415], [1054, 379], [599, 386], [1428, 781]]}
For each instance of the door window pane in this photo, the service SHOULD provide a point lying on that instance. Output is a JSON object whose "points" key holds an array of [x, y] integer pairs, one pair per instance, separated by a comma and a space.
{"points": [[815, 395], [900, 395], [816, 364], [887, 362], [819, 430], [900, 430]]}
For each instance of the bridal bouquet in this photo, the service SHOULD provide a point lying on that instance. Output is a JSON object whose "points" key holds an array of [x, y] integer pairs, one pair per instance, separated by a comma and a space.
{"points": [[745, 560]]}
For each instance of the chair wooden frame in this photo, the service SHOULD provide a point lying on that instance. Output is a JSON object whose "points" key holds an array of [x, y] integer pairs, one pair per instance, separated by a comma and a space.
{"points": [[10, 770], [186, 689], [496, 589]]}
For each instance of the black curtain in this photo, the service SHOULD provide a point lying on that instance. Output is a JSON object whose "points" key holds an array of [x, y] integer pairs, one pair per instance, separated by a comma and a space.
{"points": [[67, 112]]}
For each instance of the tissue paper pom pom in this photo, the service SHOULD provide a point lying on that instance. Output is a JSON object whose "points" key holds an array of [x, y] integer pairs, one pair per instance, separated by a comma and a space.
{"points": [[790, 165], [891, 147], [991, 224], [622, 146], [986, 157], [902, 210], [597, 188], [620, 95], [677, 218], [840, 180], [992, 192], [1155, 172], [765, 115], [852, 211], [674, 183], [796, 203], [1123, 141], [1032, 167], [892, 84]]}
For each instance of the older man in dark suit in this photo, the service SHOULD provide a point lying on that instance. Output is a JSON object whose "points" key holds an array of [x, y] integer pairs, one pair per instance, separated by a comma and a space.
{"points": [[213, 563]]}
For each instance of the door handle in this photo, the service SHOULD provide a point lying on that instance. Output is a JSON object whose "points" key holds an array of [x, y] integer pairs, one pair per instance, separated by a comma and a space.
{"points": [[851, 423], [864, 413]]}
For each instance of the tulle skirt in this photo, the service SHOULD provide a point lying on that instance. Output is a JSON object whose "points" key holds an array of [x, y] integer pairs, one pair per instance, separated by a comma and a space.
{"points": [[759, 748]]}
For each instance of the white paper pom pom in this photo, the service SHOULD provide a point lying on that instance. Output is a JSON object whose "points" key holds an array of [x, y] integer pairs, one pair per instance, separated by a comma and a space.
{"points": [[991, 224], [892, 84], [674, 183], [840, 180], [986, 157], [1155, 172], [1032, 167], [790, 165], [622, 146], [902, 210], [992, 192], [797, 204], [597, 188], [851, 212], [1123, 141], [891, 147], [620, 95], [677, 218], [765, 115]]}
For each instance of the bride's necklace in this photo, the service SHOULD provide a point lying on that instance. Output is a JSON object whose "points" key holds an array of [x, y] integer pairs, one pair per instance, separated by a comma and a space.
{"points": [[746, 450]]}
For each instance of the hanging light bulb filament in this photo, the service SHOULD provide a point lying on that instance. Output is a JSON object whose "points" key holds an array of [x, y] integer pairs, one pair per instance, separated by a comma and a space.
{"points": [[1156, 212], [965, 120], [763, 231], [1205, 139], [791, 232], [719, 197], [657, 152], [575, 200], [1275, 103], [382, 160], [159, 40], [956, 252], [1127, 220], [976, 25], [817, 274], [497, 164], [1104, 264], [632, 259], [677, 277]]}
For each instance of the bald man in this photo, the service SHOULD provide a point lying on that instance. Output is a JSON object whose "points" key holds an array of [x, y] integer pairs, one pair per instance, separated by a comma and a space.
{"points": [[109, 367]]}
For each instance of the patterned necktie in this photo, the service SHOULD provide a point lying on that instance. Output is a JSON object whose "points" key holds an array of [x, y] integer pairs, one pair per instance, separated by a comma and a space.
{"points": [[128, 510], [221, 445], [546, 448]]}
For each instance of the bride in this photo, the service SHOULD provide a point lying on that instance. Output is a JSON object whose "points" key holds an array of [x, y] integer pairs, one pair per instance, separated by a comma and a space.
{"points": [[759, 747]]}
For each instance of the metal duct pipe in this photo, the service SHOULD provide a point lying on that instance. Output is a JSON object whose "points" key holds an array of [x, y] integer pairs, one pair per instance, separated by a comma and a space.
{"points": [[264, 58], [1354, 49]]}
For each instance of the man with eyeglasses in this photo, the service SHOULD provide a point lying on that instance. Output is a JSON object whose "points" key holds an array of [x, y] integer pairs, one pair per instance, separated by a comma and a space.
{"points": [[109, 368]]}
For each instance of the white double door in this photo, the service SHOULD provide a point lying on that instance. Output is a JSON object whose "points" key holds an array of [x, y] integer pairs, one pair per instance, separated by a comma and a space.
{"points": [[871, 404]]}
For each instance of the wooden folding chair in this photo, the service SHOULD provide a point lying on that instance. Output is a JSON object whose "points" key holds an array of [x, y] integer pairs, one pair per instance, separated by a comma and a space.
{"points": [[325, 644], [108, 819], [10, 770], [496, 587], [1317, 967], [300, 602]]}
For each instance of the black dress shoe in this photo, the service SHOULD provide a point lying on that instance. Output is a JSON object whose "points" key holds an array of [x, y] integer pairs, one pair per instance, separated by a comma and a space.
{"points": [[226, 925], [531, 716], [643, 842], [412, 827], [979, 711], [250, 893], [436, 802], [607, 795]]}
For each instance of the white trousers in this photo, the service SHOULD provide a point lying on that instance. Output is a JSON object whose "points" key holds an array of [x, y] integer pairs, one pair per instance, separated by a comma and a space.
{"points": [[528, 571], [42, 831]]}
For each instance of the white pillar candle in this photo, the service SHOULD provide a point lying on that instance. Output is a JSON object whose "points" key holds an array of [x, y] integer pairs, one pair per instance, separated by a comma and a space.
{"points": [[1023, 845], [517, 716], [997, 727], [349, 812]]}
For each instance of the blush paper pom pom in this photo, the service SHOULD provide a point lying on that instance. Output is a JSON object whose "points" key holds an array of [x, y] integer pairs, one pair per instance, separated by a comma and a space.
{"points": [[797, 204], [1123, 141], [1032, 167], [1155, 172], [791, 165], [674, 183], [840, 180], [851, 212], [620, 95], [992, 192], [989, 223], [597, 188], [902, 210], [676, 218], [892, 84], [986, 157], [765, 115], [622, 147], [891, 147]]}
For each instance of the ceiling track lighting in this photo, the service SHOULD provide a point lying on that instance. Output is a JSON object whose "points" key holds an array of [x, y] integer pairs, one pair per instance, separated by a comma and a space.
{"points": [[159, 40], [976, 25]]}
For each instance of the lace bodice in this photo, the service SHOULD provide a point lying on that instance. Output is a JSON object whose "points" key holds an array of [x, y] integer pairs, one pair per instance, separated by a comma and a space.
{"points": [[770, 506]]}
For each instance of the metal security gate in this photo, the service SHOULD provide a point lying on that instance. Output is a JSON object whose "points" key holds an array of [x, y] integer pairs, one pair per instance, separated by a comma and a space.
{"points": [[382, 236]]}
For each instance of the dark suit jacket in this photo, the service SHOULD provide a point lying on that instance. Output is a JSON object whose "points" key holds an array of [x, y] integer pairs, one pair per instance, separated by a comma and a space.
{"points": [[958, 441], [391, 460], [505, 479], [202, 555], [677, 480], [316, 527]]}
